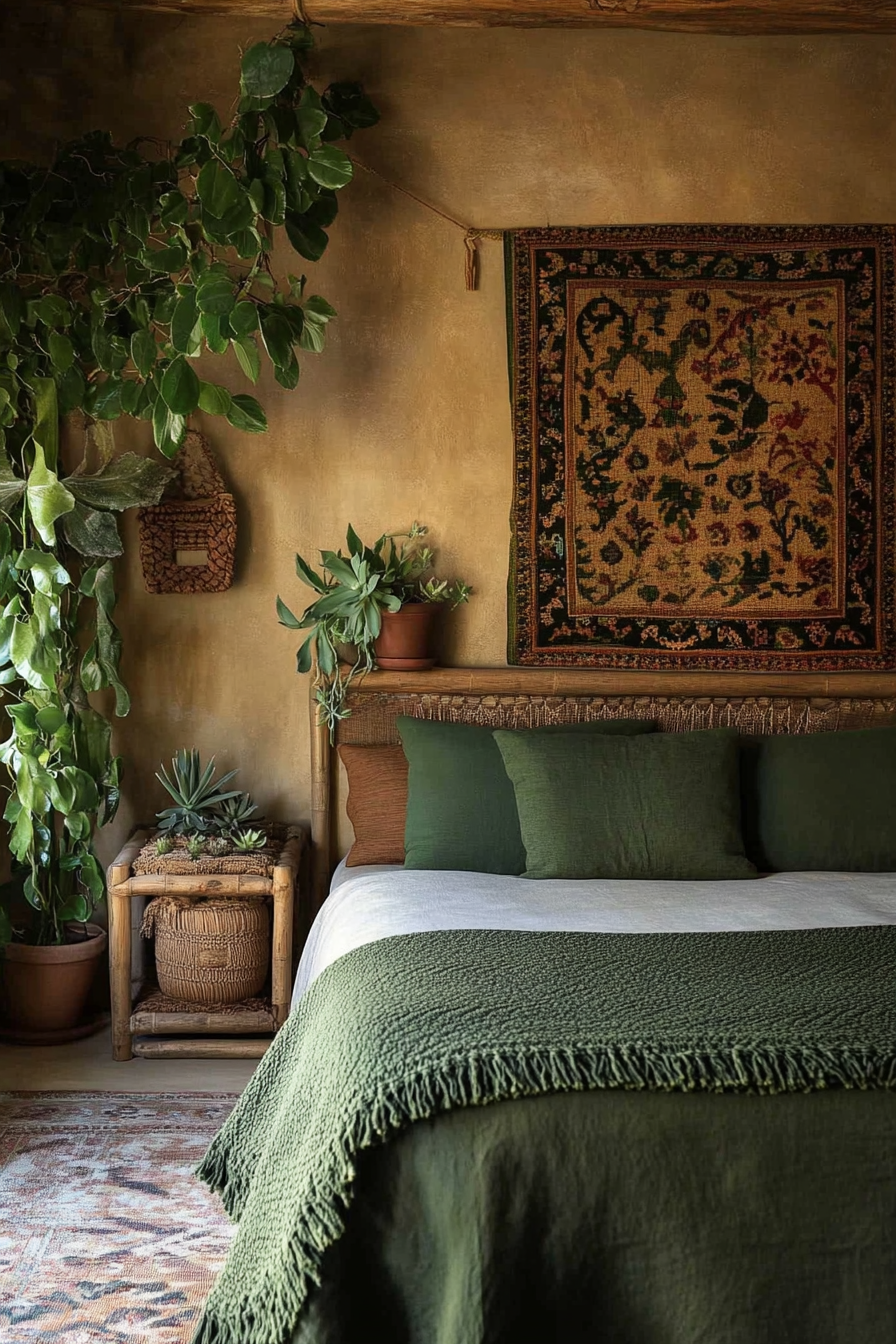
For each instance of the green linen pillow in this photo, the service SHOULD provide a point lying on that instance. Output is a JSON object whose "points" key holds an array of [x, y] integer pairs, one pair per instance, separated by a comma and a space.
{"points": [[663, 806], [461, 808], [823, 802]]}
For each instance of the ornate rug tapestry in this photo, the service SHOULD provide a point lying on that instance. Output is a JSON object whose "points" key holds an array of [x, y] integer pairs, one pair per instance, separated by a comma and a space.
{"points": [[105, 1233], [703, 420]]}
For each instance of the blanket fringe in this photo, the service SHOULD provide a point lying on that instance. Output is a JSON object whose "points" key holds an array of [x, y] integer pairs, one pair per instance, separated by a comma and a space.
{"points": [[480, 1079]]}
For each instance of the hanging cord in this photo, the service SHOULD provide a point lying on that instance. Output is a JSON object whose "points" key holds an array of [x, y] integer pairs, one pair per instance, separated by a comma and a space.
{"points": [[471, 235]]}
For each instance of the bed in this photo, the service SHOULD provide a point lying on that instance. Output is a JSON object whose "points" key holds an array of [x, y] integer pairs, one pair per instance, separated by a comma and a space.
{"points": [[721, 1168]]}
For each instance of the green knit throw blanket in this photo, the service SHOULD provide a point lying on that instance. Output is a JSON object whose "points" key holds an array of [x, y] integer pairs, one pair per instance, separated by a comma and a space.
{"points": [[413, 1026]]}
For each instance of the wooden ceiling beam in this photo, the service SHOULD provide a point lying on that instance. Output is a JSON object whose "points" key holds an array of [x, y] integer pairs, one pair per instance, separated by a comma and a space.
{"points": [[716, 16]]}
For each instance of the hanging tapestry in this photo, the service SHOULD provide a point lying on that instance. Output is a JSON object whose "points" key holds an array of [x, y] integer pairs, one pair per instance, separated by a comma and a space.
{"points": [[704, 447]]}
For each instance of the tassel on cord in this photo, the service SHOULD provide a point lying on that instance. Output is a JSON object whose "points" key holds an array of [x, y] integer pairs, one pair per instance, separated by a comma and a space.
{"points": [[471, 235]]}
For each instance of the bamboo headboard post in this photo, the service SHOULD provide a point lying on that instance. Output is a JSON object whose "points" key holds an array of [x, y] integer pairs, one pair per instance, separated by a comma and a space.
{"points": [[321, 806]]}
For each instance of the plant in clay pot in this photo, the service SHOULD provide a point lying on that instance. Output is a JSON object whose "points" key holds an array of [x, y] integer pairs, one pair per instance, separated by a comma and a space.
{"points": [[381, 601], [118, 269]]}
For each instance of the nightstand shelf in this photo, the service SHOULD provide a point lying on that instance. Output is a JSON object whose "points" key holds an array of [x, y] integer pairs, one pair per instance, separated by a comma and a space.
{"points": [[242, 1030]]}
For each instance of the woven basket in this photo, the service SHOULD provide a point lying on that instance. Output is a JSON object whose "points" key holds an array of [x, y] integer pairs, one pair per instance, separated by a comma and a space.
{"points": [[188, 541], [210, 952]]}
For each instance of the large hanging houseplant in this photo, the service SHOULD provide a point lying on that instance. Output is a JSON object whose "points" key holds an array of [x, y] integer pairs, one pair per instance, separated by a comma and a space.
{"points": [[117, 269]]}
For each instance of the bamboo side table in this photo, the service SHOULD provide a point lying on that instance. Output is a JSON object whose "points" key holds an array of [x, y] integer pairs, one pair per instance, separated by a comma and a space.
{"points": [[217, 1034]]}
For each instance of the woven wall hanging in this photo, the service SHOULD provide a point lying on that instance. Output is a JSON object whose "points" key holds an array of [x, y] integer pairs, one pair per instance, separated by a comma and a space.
{"points": [[188, 541]]}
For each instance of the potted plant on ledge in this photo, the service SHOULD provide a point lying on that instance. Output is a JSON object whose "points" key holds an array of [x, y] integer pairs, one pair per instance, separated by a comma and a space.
{"points": [[380, 602]]}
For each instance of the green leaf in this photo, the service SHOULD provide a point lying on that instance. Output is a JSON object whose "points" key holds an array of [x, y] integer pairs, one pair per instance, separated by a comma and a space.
{"points": [[175, 208], [92, 533], [277, 336], [12, 311], [105, 399], [71, 390], [180, 387], [12, 487], [285, 616], [50, 719], [47, 574], [311, 118], [62, 352], [215, 295], [313, 337], [143, 351], [318, 310], [243, 318], [266, 69], [246, 414], [214, 400], [127, 482], [206, 122], [183, 320], [78, 825], [47, 497], [308, 239], [168, 429], [215, 339], [93, 734], [217, 188], [168, 260], [330, 167], [287, 375], [46, 419], [247, 356], [22, 836]]}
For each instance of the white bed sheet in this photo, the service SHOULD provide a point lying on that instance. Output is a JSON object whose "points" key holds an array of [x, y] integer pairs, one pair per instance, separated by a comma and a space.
{"points": [[369, 903]]}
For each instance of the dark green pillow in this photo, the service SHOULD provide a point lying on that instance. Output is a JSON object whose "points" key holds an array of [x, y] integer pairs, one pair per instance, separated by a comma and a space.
{"points": [[821, 802], [461, 809], [663, 806]]}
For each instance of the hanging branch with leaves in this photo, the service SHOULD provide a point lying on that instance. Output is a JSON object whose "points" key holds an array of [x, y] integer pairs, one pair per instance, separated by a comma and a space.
{"points": [[117, 271]]}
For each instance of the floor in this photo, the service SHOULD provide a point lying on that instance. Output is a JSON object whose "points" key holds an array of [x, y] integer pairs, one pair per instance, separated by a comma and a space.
{"points": [[88, 1066]]}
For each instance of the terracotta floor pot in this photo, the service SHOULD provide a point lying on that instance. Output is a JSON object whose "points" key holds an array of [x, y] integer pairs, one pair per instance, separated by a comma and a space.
{"points": [[405, 641], [45, 989]]}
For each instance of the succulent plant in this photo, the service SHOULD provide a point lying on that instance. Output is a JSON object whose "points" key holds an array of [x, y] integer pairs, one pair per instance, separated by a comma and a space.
{"points": [[249, 840], [234, 812], [195, 846], [196, 794], [164, 845], [217, 846]]}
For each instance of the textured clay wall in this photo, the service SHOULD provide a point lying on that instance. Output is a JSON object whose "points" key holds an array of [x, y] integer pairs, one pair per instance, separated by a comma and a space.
{"points": [[406, 415]]}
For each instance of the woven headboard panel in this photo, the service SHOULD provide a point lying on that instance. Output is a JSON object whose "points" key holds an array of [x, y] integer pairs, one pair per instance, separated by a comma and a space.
{"points": [[516, 698]]}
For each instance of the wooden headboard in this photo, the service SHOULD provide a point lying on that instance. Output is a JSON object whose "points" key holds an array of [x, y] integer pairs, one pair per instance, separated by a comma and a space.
{"points": [[527, 698]]}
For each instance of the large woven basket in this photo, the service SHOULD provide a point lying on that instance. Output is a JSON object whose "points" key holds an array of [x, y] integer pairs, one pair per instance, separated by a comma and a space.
{"points": [[210, 952]]}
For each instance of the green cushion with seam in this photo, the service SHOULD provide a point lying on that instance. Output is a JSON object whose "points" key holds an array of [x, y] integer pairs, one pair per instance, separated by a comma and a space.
{"points": [[662, 806]]}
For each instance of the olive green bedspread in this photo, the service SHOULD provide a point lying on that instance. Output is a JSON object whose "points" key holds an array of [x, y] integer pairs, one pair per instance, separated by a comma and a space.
{"points": [[628, 1214]]}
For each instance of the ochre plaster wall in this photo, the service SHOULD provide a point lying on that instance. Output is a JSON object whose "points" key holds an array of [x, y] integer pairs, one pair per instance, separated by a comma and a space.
{"points": [[406, 414]]}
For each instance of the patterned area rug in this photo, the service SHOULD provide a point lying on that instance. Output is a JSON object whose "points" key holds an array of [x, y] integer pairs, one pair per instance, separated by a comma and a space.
{"points": [[105, 1234], [704, 447]]}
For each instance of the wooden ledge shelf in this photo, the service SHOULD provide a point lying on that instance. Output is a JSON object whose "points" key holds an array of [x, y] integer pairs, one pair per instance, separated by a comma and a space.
{"points": [[161, 1020], [201, 1048]]}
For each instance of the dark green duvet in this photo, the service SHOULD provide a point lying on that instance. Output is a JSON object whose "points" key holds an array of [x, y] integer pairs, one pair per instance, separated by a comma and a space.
{"points": [[479, 1137]]}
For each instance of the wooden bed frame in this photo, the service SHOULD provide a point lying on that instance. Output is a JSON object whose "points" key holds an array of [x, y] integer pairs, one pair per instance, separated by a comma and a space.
{"points": [[526, 698]]}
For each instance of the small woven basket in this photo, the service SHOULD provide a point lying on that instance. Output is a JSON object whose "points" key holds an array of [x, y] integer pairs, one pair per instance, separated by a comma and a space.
{"points": [[188, 541], [210, 952]]}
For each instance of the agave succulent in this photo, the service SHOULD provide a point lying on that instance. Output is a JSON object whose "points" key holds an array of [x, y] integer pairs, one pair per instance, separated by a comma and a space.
{"points": [[196, 794], [195, 846], [249, 840], [234, 812]]}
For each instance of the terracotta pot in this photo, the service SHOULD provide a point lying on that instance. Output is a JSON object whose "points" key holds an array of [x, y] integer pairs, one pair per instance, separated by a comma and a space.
{"points": [[45, 989], [405, 641]]}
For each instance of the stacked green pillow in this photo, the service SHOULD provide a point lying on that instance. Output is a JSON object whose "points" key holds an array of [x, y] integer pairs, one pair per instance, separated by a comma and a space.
{"points": [[614, 799], [665, 806], [821, 801], [462, 811]]}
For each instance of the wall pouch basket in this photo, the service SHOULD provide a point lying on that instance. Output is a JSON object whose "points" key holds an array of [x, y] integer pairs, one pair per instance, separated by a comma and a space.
{"points": [[188, 541]]}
